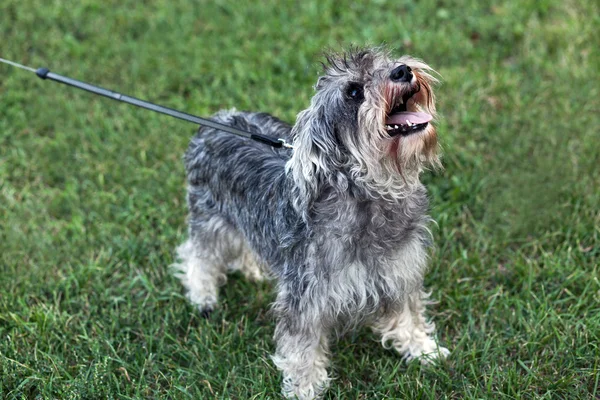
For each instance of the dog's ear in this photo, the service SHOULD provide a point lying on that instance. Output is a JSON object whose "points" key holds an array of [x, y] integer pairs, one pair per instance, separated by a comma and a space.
{"points": [[321, 82], [314, 136], [315, 149]]}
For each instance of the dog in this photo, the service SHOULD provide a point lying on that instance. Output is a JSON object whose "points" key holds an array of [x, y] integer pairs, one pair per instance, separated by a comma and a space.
{"points": [[339, 221]]}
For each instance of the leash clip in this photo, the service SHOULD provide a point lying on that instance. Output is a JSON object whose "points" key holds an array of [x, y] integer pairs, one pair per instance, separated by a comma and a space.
{"points": [[285, 144]]}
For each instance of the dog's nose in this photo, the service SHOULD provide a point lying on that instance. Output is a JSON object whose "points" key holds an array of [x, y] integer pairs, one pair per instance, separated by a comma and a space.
{"points": [[403, 73]]}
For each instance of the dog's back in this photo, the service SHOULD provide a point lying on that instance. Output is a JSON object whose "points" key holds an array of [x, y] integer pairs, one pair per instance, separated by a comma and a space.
{"points": [[234, 167], [226, 174], [211, 150]]}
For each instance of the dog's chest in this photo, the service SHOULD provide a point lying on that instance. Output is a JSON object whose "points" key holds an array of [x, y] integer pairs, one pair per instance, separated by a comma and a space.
{"points": [[368, 283], [375, 254], [373, 229]]}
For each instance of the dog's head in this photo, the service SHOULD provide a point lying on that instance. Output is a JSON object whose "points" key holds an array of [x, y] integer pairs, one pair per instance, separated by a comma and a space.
{"points": [[370, 124]]}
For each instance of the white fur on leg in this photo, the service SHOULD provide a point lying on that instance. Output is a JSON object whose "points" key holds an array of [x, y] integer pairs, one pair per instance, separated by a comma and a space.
{"points": [[409, 333], [199, 275], [303, 361], [248, 265]]}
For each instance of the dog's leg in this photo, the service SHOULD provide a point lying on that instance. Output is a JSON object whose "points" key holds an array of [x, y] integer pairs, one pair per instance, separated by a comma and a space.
{"points": [[248, 265], [214, 247], [408, 332], [200, 273], [301, 355]]}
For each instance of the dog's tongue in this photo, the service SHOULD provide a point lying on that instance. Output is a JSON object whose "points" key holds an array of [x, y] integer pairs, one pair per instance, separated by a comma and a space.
{"points": [[400, 118]]}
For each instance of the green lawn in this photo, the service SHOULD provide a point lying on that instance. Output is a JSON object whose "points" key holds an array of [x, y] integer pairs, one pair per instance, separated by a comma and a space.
{"points": [[92, 196]]}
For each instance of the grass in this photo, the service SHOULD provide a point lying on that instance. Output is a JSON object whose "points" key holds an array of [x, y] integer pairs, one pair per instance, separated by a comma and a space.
{"points": [[92, 196]]}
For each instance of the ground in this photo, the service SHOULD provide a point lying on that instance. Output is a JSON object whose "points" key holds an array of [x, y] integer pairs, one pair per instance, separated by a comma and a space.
{"points": [[92, 196]]}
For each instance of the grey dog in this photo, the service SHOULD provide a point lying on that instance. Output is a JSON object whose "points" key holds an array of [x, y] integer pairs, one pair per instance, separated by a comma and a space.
{"points": [[339, 221]]}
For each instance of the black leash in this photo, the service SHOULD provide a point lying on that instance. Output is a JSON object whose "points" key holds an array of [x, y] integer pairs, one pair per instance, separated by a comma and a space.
{"points": [[45, 73]]}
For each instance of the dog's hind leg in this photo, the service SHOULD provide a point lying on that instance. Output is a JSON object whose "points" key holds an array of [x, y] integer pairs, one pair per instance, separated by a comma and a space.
{"points": [[247, 264], [203, 260], [407, 330]]}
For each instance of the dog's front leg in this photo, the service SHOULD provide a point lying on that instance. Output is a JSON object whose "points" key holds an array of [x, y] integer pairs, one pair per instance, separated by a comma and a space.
{"points": [[301, 355], [407, 330]]}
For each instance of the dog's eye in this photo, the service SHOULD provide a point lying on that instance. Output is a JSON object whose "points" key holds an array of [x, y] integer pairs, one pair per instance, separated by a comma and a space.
{"points": [[355, 91]]}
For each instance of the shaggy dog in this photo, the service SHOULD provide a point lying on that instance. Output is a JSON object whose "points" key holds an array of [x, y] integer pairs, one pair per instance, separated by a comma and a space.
{"points": [[339, 221]]}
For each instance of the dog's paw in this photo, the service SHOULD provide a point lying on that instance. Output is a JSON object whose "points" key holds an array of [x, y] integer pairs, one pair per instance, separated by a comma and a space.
{"points": [[206, 312], [205, 304], [306, 392], [427, 352], [439, 353]]}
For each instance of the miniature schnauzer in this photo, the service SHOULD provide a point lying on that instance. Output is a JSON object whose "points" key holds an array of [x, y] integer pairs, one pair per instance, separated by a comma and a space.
{"points": [[339, 221]]}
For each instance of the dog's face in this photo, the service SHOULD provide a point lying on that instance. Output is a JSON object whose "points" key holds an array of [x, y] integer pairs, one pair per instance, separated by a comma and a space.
{"points": [[371, 117]]}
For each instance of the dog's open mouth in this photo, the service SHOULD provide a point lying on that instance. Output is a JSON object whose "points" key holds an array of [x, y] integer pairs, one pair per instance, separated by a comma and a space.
{"points": [[401, 121]]}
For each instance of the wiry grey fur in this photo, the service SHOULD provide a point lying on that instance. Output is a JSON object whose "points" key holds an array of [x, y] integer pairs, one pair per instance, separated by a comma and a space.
{"points": [[339, 221]]}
